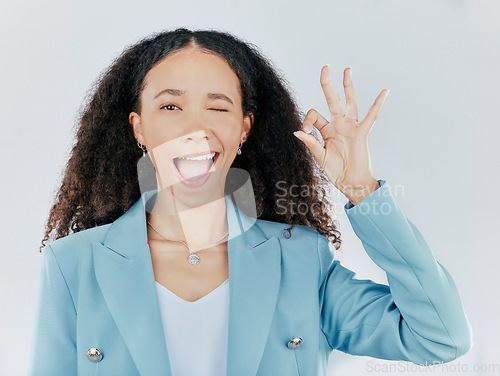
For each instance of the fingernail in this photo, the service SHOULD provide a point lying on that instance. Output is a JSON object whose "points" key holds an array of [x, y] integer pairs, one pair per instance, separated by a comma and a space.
{"points": [[296, 134]]}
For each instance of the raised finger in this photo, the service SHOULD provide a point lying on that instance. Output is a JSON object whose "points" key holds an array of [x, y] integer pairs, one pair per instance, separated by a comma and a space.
{"points": [[331, 96], [372, 115], [350, 96]]}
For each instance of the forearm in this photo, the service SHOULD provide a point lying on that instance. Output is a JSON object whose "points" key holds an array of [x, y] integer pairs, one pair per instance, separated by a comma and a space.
{"points": [[421, 287]]}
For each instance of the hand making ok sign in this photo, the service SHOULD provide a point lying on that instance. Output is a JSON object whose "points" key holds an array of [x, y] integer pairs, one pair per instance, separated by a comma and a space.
{"points": [[345, 157]]}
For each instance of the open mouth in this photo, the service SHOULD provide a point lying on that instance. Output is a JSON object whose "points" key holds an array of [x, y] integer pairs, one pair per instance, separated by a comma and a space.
{"points": [[195, 169]]}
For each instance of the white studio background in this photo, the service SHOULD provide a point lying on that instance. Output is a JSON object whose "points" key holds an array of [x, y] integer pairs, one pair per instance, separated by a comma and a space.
{"points": [[435, 141]]}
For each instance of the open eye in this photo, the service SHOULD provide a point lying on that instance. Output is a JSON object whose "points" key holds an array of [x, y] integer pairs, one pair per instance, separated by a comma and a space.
{"points": [[168, 105]]}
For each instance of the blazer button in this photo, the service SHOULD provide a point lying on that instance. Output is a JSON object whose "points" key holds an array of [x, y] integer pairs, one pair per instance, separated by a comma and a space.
{"points": [[286, 234], [94, 355], [294, 343]]}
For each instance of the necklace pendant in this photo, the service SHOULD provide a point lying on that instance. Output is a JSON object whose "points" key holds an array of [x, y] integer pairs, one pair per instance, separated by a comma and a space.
{"points": [[193, 259]]}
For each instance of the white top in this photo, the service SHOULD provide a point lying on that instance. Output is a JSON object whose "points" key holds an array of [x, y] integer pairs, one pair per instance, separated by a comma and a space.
{"points": [[196, 332]]}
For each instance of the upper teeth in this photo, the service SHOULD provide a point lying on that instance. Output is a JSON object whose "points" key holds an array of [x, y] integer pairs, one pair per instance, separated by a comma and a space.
{"points": [[200, 157]]}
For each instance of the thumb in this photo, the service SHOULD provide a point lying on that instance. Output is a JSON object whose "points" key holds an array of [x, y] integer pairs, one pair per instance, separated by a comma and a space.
{"points": [[312, 143]]}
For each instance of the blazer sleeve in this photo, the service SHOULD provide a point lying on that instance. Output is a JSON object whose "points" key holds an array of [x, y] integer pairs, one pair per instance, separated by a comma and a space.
{"points": [[418, 317], [53, 342]]}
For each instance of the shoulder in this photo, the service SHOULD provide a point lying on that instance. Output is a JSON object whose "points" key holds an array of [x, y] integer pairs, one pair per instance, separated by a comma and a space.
{"points": [[297, 233], [302, 243], [70, 249]]}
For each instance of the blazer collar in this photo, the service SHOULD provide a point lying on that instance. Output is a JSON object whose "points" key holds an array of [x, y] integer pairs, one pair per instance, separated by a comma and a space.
{"points": [[125, 276], [128, 243]]}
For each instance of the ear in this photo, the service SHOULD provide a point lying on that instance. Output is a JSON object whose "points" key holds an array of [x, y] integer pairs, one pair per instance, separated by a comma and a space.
{"points": [[135, 121], [248, 123]]}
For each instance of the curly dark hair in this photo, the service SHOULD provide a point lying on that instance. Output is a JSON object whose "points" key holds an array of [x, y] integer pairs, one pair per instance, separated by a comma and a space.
{"points": [[100, 182]]}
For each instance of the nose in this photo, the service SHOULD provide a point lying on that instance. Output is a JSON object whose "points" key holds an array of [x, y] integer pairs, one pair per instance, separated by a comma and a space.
{"points": [[196, 136]]}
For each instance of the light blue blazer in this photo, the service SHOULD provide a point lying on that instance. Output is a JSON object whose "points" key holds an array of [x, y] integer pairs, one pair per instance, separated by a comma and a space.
{"points": [[97, 290]]}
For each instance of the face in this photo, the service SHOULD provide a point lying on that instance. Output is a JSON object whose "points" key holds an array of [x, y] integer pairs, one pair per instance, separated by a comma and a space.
{"points": [[191, 104]]}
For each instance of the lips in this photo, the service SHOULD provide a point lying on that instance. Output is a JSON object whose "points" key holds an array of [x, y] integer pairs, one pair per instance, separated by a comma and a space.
{"points": [[188, 169]]}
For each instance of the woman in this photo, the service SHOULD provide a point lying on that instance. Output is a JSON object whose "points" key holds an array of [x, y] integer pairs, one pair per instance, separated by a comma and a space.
{"points": [[186, 267]]}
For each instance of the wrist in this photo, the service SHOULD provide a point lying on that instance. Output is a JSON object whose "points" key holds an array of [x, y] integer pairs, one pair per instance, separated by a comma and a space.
{"points": [[357, 193]]}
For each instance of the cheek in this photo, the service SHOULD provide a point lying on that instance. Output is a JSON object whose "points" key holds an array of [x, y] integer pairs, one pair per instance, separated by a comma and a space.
{"points": [[230, 139], [228, 131]]}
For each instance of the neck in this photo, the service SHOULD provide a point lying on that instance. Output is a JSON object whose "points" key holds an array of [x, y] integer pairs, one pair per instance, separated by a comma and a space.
{"points": [[191, 223]]}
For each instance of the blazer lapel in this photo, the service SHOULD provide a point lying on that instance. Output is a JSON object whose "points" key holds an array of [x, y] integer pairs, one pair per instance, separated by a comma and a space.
{"points": [[125, 276], [254, 281]]}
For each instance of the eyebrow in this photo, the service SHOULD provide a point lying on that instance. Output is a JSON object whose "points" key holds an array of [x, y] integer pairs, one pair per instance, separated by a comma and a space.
{"points": [[178, 92]]}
